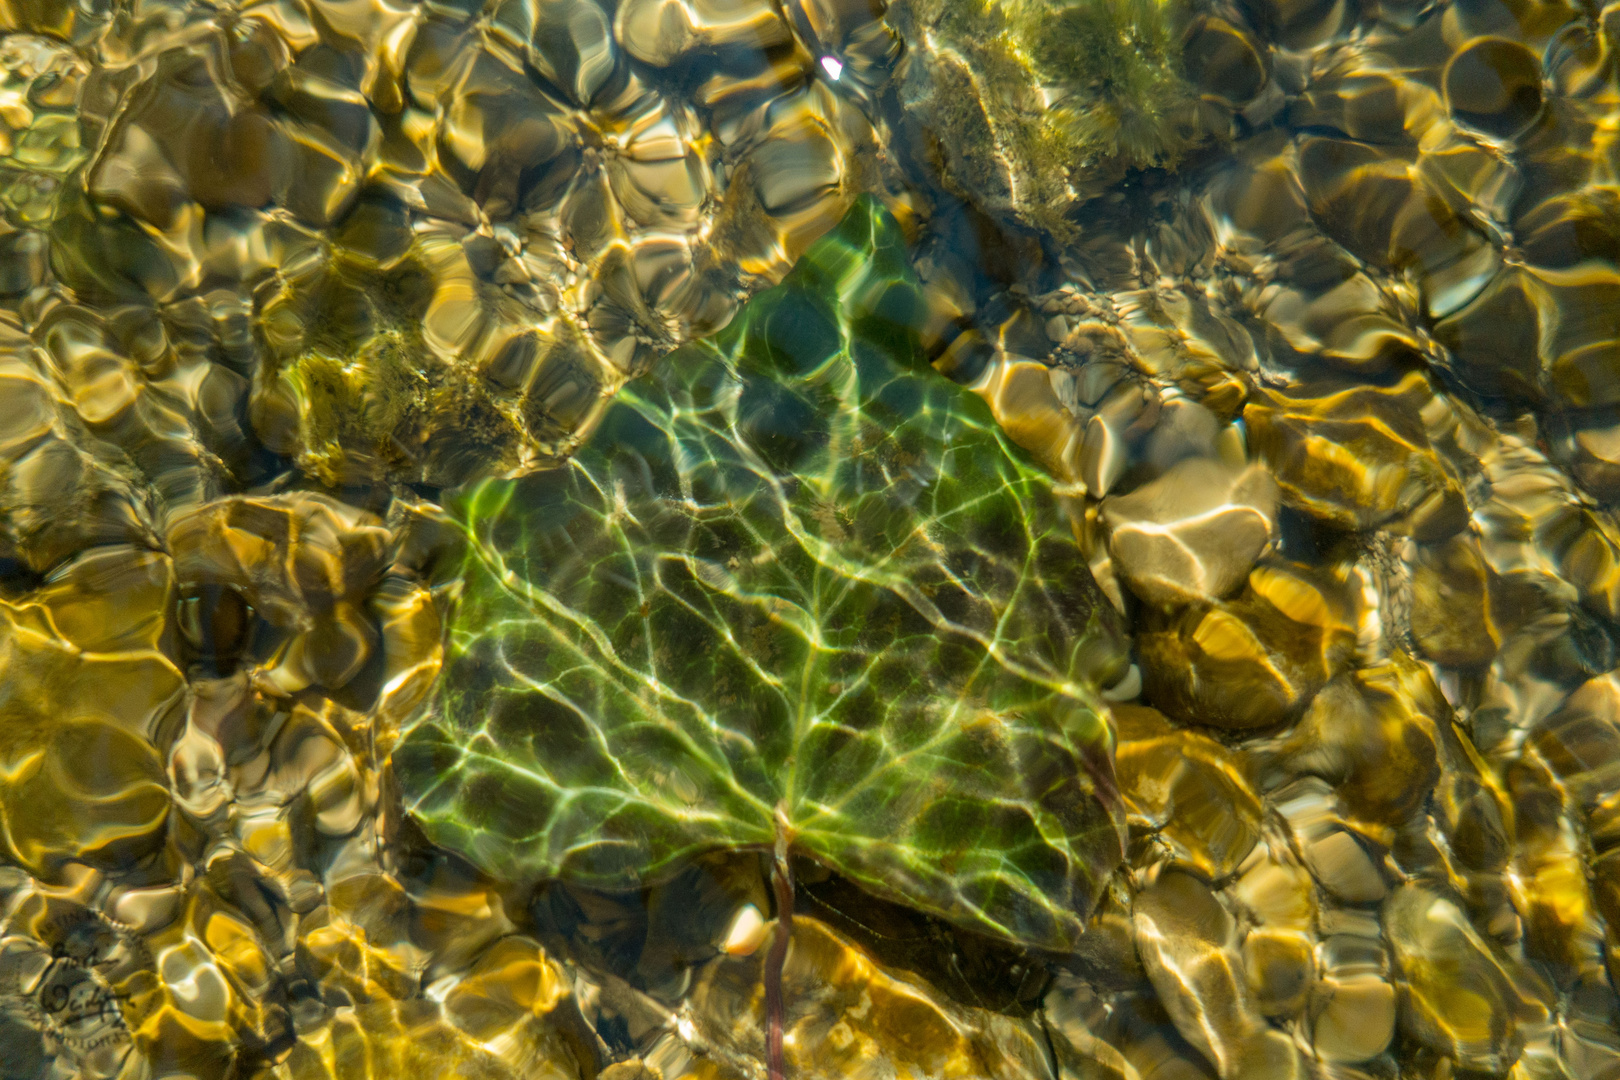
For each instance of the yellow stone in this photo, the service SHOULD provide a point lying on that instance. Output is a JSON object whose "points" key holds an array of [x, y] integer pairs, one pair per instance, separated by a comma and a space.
{"points": [[848, 1015], [1187, 789]]}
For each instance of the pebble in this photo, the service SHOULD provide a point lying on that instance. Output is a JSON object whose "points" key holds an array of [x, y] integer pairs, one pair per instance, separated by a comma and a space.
{"points": [[1323, 356]]}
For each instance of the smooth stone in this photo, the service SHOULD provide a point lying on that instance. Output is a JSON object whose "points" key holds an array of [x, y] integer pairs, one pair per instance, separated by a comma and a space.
{"points": [[1460, 995], [1193, 533], [1354, 1018]]}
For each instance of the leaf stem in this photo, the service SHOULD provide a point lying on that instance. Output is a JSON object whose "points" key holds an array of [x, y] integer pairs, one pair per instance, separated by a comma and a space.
{"points": [[775, 1007]]}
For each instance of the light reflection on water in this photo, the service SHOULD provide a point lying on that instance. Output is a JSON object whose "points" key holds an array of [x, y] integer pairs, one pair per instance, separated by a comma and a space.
{"points": [[1312, 307]]}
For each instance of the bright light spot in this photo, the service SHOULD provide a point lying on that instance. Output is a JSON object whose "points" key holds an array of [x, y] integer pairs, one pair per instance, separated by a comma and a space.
{"points": [[833, 66], [747, 933]]}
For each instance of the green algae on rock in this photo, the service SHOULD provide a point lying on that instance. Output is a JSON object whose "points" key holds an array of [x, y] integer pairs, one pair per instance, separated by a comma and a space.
{"points": [[796, 586], [1029, 102], [378, 351]]}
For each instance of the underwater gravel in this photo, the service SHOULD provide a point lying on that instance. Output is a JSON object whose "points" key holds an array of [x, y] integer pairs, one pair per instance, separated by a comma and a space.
{"points": [[1312, 309]]}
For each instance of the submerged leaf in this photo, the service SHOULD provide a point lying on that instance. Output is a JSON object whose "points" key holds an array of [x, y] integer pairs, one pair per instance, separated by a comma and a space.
{"points": [[795, 580]]}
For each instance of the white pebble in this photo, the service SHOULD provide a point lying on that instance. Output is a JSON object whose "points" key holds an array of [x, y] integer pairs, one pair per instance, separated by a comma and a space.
{"points": [[747, 933]]}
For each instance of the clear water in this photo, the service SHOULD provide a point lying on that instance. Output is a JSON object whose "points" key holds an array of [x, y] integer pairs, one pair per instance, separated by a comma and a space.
{"points": [[1221, 399]]}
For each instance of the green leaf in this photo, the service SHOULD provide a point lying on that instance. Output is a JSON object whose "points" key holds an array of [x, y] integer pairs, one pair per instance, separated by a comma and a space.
{"points": [[795, 574]]}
